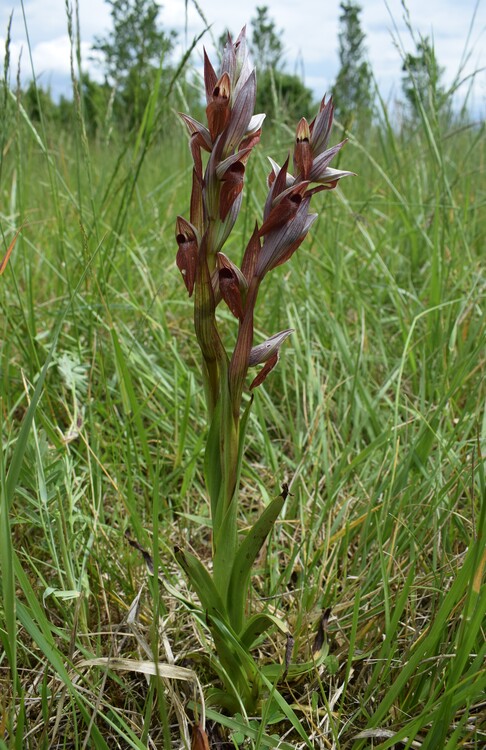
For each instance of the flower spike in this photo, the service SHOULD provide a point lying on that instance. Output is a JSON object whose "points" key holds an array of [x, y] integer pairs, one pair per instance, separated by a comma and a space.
{"points": [[220, 152]]}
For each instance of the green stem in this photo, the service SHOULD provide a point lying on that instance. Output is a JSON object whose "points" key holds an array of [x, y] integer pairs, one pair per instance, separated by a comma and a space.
{"points": [[225, 533], [212, 349], [239, 361]]}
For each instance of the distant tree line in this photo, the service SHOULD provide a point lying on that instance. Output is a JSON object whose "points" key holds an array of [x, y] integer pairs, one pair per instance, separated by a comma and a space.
{"points": [[136, 53]]}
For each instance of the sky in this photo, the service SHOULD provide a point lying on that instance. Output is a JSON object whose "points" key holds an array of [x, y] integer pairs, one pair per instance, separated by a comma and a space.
{"points": [[309, 35]]}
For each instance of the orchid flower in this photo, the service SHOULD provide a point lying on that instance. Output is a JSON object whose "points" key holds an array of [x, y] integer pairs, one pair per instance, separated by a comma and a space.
{"points": [[220, 151]]}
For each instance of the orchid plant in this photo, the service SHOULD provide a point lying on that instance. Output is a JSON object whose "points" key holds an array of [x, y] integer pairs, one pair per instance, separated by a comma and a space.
{"points": [[212, 278]]}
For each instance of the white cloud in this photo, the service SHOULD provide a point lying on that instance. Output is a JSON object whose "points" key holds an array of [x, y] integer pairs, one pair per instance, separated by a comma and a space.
{"points": [[53, 55]]}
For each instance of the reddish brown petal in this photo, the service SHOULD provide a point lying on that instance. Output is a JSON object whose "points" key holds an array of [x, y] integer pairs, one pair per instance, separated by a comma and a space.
{"points": [[284, 210], [199, 738], [187, 253], [232, 185], [290, 251], [266, 369], [302, 150], [186, 260], [239, 360], [281, 243], [230, 292], [196, 155], [281, 214], [210, 78], [223, 166], [186, 229], [225, 262], [197, 210], [302, 160], [277, 183], [218, 110], [251, 254], [252, 140], [289, 179]]}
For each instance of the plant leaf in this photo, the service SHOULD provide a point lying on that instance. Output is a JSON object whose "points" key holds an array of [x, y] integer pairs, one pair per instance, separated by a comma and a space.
{"points": [[245, 558], [212, 463], [202, 582], [275, 671], [258, 624]]}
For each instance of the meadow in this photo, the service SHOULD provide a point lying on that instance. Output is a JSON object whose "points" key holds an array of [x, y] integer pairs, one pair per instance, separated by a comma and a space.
{"points": [[374, 414]]}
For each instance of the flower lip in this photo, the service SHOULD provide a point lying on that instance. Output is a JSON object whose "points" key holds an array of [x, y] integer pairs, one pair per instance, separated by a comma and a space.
{"points": [[223, 166], [284, 208], [187, 254], [218, 110]]}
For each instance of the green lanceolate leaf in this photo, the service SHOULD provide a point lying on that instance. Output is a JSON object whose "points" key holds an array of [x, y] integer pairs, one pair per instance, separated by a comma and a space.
{"points": [[237, 724], [242, 436], [257, 625], [238, 662], [225, 534], [294, 671], [212, 462], [225, 547], [202, 583], [245, 558]]}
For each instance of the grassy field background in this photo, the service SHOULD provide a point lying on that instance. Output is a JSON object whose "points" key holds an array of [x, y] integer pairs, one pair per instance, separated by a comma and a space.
{"points": [[376, 412]]}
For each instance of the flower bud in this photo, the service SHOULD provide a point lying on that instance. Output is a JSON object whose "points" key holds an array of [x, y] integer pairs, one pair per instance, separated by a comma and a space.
{"points": [[268, 353], [302, 150]]}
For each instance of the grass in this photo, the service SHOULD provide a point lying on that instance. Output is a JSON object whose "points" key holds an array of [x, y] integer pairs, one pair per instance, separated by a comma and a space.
{"points": [[375, 412]]}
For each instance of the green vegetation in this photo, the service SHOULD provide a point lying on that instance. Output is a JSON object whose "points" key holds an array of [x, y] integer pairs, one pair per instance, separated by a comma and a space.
{"points": [[375, 415], [133, 54], [352, 91], [422, 80]]}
